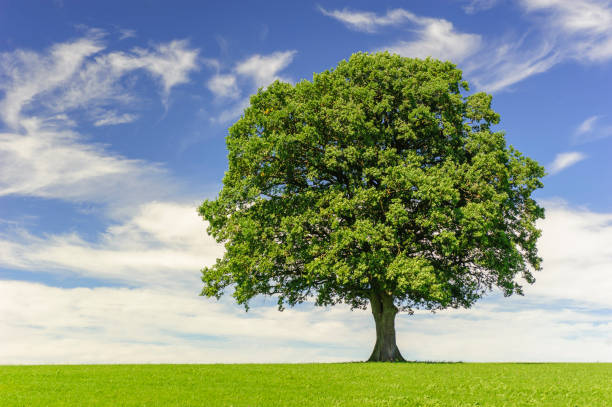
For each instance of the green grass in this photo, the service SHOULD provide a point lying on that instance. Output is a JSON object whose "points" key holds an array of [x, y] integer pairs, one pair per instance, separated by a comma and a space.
{"points": [[349, 384]]}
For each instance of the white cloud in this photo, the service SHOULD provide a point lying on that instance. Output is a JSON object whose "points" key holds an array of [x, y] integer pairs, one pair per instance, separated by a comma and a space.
{"points": [[161, 244], [143, 325], [126, 33], [48, 162], [224, 86], [579, 30], [574, 16], [98, 84], [367, 21], [582, 29], [434, 37], [42, 154], [27, 74], [170, 62], [510, 62], [78, 75], [590, 130], [575, 246], [264, 69], [565, 160], [438, 38], [509, 331], [586, 126], [258, 70], [112, 118], [119, 325], [479, 5]]}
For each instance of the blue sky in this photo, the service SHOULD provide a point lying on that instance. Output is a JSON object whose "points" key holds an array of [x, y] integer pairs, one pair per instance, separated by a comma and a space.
{"points": [[112, 124]]}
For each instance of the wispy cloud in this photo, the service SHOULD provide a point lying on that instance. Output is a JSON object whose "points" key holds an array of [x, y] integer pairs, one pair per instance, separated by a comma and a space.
{"points": [[125, 33], [367, 21], [583, 27], [43, 155], [578, 30], [511, 61], [475, 6], [509, 330], [77, 74], [586, 126], [159, 240], [170, 63], [224, 86], [591, 129], [253, 72], [565, 160], [112, 118], [50, 162], [28, 74], [264, 69], [435, 37], [232, 112], [563, 30]]}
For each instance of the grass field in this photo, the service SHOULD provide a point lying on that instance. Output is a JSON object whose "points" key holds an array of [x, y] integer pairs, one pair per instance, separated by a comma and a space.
{"points": [[348, 384]]}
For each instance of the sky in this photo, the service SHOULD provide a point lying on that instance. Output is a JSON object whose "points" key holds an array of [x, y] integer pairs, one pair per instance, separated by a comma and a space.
{"points": [[113, 117]]}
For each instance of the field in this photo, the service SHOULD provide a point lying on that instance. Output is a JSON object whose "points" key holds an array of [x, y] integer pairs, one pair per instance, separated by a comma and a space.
{"points": [[347, 384]]}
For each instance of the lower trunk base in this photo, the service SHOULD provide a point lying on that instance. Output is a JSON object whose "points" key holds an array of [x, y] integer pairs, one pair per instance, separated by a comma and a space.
{"points": [[384, 312], [386, 354]]}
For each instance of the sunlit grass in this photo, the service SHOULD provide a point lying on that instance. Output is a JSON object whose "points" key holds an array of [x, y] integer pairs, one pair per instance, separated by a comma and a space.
{"points": [[349, 384]]}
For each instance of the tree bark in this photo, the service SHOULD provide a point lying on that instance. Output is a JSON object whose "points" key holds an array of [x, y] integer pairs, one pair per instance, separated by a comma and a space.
{"points": [[384, 312]]}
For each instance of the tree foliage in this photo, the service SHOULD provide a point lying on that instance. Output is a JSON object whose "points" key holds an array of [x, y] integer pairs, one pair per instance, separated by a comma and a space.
{"points": [[381, 176]]}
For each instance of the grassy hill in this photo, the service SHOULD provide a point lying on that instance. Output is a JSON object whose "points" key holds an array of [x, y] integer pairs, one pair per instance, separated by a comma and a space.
{"points": [[345, 384]]}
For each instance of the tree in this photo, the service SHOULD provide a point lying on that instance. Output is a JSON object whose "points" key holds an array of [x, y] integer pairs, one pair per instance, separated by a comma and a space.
{"points": [[377, 183]]}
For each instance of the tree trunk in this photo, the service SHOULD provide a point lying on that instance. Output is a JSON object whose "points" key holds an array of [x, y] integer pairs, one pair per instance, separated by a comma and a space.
{"points": [[384, 312]]}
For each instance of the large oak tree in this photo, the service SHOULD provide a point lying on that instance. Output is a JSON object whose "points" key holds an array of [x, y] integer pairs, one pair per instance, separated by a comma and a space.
{"points": [[379, 182]]}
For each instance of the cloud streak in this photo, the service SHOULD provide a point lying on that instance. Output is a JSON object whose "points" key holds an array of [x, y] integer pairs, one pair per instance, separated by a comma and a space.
{"points": [[591, 129], [41, 152], [264, 69], [28, 74], [565, 160], [257, 71], [475, 6], [77, 74], [370, 22], [169, 63], [48, 162], [511, 62], [161, 244], [563, 30], [112, 118], [435, 37], [584, 25], [438, 38], [224, 86], [566, 30]]}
